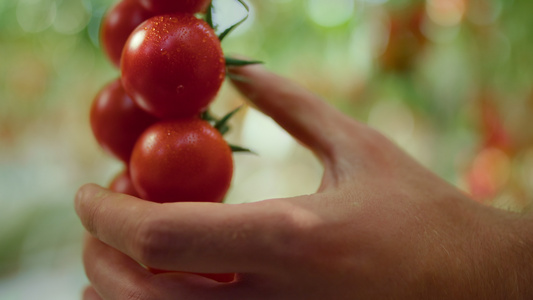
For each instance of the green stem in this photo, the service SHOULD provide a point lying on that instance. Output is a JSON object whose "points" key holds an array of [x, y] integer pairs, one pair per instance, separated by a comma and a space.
{"points": [[222, 124], [209, 15], [231, 28], [235, 149], [234, 62]]}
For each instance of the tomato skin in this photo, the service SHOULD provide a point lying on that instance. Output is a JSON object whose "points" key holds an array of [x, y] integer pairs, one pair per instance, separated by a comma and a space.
{"points": [[173, 65], [122, 184], [116, 121], [222, 277], [182, 160], [117, 25], [162, 7]]}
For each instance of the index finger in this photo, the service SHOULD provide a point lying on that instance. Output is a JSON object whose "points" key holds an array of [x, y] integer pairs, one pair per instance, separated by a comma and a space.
{"points": [[331, 135], [190, 237], [300, 112]]}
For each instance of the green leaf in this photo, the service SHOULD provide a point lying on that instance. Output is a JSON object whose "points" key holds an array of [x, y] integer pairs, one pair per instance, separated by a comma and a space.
{"points": [[236, 149], [231, 28], [222, 124], [235, 62], [207, 116], [209, 15], [224, 129]]}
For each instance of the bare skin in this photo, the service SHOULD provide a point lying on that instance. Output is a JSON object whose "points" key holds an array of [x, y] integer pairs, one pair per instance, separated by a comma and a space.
{"points": [[379, 227]]}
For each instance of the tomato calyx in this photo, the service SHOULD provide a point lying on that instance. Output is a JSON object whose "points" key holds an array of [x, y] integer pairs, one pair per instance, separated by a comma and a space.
{"points": [[222, 126], [231, 28], [209, 16], [230, 61], [235, 62], [236, 149], [209, 19]]}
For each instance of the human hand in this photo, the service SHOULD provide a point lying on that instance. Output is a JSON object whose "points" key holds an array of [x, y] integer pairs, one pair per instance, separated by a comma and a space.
{"points": [[380, 226]]}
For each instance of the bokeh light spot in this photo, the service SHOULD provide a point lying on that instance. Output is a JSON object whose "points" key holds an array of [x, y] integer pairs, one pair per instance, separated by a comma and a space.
{"points": [[36, 15], [394, 120], [490, 172], [526, 170], [267, 138], [72, 16], [484, 12], [446, 12], [330, 13]]}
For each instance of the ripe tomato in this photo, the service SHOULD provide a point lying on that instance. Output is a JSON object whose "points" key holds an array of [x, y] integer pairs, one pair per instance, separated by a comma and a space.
{"points": [[118, 24], [182, 160], [122, 184], [223, 277], [162, 7], [173, 65], [116, 121]]}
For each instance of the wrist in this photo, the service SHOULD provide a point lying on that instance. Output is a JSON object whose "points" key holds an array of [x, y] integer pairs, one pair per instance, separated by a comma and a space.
{"points": [[503, 254], [490, 257], [520, 253], [528, 241]]}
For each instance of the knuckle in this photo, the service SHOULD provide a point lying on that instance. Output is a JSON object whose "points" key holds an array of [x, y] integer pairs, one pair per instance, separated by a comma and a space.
{"points": [[295, 230], [94, 214], [151, 242], [90, 221], [305, 239]]}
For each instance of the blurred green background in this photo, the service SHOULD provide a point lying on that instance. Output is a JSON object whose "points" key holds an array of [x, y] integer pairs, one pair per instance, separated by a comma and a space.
{"points": [[449, 80]]}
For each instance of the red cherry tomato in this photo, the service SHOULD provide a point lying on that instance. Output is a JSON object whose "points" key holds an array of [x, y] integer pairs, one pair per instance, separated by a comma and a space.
{"points": [[122, 184], [173, 65], [118, 24], [163, 7], [116, 121], [223, 277], [182, 160]]}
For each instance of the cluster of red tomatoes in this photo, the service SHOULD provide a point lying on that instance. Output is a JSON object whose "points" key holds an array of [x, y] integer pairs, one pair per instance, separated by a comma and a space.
{"points": [[172, 66]]}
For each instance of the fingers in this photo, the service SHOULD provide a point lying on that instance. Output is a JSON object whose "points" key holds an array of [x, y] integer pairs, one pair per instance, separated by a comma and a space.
{"points": [[90, 294], [344, 145], [303, 114], [191, 237], [102, 264], [114, 275]]}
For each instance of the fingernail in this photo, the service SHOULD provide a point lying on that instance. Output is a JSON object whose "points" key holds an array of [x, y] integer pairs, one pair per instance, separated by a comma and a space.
{"points": [[235, 76]]}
